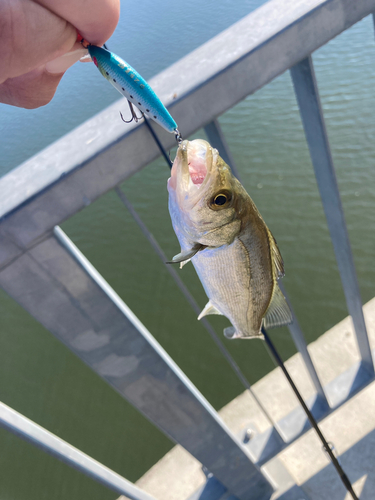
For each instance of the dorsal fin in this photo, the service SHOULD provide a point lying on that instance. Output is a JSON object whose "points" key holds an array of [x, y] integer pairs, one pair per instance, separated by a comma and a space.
{"points": [[278, 312], [276, 257]]}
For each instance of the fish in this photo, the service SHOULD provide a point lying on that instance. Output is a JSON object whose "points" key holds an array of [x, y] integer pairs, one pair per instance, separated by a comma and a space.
{"points": [[222, 233], [131, 85]]}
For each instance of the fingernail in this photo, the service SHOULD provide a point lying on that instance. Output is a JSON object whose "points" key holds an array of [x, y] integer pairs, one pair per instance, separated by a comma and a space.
{"points": [[62, 63], [86, 58]]}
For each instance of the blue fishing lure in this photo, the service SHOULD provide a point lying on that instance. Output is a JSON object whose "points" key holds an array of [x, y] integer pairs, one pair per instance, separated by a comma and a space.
{"points": [[132, 86]]}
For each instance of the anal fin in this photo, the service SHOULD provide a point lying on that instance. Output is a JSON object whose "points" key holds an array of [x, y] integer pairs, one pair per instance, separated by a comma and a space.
{"points": [[278, 312], [209, 309], [231, 333]]}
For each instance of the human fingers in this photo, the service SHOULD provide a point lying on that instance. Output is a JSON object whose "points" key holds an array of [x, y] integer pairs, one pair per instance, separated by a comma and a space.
{"points": [[96, 20], [30, 36], [40, 46]]}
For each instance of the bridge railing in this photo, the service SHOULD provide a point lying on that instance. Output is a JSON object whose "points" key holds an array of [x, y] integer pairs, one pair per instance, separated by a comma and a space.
{"points": [[48, 275]]}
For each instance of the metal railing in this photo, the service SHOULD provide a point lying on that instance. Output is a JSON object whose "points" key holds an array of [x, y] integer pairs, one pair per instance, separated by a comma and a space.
{"points": [[93, 321]]}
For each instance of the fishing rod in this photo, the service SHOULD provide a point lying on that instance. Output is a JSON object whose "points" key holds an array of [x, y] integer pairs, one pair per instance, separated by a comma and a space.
{"points": [[112, 66], [277, 358], [344, 478]]}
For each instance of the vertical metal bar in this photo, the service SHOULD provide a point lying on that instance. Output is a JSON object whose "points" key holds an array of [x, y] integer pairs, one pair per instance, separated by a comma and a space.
{"points": [[195, 306], [217, 139], [306, 90], [28, 430], [300, 343]]}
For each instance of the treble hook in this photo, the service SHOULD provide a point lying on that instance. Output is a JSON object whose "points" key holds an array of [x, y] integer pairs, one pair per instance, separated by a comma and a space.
{"points": [[133, 113]]}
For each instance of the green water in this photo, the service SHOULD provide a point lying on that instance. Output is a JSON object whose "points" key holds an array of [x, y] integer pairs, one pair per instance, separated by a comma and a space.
{"points": [[40, 378]]}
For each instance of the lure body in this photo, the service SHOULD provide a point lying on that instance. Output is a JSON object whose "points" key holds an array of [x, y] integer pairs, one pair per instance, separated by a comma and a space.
{"points": [[132, 86]]}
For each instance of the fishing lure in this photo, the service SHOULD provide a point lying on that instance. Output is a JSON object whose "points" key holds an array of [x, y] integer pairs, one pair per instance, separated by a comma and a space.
{"points": [[133, 86]]}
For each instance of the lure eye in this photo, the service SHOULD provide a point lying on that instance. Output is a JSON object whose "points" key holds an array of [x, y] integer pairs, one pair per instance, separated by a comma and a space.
{"points": [[221, 200]]}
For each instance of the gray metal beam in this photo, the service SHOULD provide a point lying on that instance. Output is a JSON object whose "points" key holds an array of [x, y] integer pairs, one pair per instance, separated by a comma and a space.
{"points": [[28, 430], [103, 152], [307, 93], [62, 290]]}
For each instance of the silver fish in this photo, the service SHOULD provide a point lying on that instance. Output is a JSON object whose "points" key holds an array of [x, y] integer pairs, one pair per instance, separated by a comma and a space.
{"points": [[221, 231]]}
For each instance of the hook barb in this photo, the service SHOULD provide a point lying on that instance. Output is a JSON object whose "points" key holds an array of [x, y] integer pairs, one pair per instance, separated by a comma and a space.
{"points": [[133, 114]]}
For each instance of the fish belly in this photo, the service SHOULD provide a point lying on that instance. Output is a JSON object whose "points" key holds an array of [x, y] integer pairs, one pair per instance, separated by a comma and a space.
{"points": [[237, 279]]}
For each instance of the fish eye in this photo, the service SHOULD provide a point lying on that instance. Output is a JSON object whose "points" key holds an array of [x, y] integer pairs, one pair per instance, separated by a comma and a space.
{"points": [[221, 200]]}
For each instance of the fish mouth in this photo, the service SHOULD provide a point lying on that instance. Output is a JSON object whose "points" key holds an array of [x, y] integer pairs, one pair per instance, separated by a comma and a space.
{"points": [[192, 166]]}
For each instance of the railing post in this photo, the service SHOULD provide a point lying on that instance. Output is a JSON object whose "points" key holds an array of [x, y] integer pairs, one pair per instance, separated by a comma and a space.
{"points": [[306, 90]]}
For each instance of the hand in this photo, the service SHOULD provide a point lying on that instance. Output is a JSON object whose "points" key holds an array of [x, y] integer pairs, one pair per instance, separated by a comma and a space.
{"points": [[38, 42]]}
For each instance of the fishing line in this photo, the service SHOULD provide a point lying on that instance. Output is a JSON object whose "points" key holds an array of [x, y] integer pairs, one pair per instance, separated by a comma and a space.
{"points": [[344, 478], [156, 139]]}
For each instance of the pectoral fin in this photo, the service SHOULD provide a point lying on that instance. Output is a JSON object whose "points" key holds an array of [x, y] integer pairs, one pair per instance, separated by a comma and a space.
{"points": [[209, 309], [278, 312], [185, 256]]}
